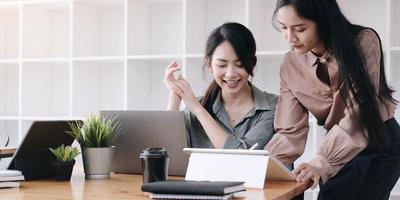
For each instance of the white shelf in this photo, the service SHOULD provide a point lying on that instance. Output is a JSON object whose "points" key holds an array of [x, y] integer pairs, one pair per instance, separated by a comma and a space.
{"points": [[8, 89], [395, 23], [65, 59], [45, 89], [155, 57], [395, 61], [98, 28], [9, 31], [11, 128], [359, 12], [99, 58], [26, 2], [271, 53], [260, 23], [160, 29], [202, 16], [395, 48], [8, 3], [197, 77], [146, 90], [46, 60], [395, 78], [9, 61], [195, 55], [40, 118], [97, 85], [45, 30], [102, 3], [7, 118], [266, 73], [24, 127]]}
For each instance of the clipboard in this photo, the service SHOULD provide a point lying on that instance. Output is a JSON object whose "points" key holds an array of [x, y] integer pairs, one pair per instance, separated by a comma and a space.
{"points": [[251, 166]]}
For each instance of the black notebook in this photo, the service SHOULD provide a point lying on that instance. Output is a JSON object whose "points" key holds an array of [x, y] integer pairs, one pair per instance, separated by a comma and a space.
{"points": [[194, 187], [191, 196]]}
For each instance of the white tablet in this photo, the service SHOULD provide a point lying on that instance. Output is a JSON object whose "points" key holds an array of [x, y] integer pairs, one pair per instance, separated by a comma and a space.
{"points": [[276, 170], [188, 151]]}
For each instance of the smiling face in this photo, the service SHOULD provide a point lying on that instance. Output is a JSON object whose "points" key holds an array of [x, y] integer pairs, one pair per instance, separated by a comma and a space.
{"points": [[301, 33], [227, 70]]}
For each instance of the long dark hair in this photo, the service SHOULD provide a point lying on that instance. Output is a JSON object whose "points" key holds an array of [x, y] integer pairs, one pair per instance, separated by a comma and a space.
{"points": [[243, 43], [353, 72]]}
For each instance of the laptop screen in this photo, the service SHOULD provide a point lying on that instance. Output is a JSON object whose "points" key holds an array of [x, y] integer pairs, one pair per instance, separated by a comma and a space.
{"points": [[143, 129], [33, 157]]}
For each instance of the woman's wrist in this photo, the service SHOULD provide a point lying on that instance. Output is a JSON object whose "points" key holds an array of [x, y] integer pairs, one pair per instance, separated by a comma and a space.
{"points": [[174, 101]]}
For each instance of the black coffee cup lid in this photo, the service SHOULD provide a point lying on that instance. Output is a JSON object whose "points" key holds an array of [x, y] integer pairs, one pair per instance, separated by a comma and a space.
{"points": [[154, 152]]}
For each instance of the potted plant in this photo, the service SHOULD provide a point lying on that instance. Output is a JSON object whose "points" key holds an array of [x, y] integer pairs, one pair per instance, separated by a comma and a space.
{"points": [[95, 136], [64, 163]]}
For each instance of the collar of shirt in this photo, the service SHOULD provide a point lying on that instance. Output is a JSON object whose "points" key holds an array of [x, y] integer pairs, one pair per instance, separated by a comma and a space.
{"points": [[260, 101], [313, 60]]}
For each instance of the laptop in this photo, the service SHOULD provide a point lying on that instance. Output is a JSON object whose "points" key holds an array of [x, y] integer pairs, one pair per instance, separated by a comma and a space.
{"points": [[33, 157], [143, 129]]}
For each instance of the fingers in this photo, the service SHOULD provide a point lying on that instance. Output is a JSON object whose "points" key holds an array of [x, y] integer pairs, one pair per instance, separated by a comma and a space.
{"points": [[306, 176], [180, 83], [304, 172], [183, 83], [188, 94], [316, 181], [172, 67], [299, 168], [172, 64], [303, 175], [177, 90], [169, 75]]}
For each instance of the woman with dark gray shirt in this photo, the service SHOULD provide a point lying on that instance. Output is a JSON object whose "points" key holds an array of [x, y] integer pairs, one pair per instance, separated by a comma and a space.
{"points": [[233, 113]]}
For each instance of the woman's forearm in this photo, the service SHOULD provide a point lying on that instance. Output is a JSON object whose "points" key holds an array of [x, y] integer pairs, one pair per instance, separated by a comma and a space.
{"points": [[214, 131], [174, 102]]}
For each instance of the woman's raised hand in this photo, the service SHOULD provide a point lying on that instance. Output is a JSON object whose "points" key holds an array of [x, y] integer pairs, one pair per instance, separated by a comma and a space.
{"points": [[180, 87], [186, 93], [169, 76], [169, 81]]}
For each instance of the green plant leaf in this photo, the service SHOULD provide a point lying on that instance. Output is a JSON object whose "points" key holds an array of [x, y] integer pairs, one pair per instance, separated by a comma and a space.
{"points": [[65, 153], [96, 131]]}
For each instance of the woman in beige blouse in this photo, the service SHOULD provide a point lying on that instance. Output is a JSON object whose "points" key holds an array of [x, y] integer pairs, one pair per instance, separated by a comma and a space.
{"points": [[335, 71]]}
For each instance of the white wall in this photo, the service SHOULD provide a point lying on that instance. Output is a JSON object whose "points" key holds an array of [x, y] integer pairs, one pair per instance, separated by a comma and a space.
{"points": [[66, 59]]}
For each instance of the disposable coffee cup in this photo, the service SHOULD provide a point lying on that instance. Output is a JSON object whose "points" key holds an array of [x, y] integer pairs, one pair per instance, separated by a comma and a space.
{"points": [[154, 164]]}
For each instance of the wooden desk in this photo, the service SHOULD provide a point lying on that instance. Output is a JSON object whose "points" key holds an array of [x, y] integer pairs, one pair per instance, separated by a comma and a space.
{"points": [[122, 186], [7, 151]]}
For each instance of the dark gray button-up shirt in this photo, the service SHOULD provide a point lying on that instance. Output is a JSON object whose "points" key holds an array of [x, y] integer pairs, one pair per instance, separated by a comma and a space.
{"points": [[256, 127]]}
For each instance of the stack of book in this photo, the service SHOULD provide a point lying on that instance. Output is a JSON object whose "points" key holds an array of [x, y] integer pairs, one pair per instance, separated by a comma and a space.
{"points": [[193, 189], [10, 178]]}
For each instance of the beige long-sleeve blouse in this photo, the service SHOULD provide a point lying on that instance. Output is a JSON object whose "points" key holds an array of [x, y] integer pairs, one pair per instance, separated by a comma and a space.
{"points": [[302, 92]]}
